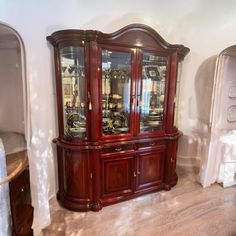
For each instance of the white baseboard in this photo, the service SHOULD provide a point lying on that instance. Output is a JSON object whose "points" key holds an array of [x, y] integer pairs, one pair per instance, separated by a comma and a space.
{"points": [[188, 161]]}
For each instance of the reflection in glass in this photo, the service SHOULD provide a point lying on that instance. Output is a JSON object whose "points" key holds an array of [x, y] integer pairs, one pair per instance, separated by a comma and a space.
{"points": [[177, 92], [74, 96], [116, 72], [153, 90]]}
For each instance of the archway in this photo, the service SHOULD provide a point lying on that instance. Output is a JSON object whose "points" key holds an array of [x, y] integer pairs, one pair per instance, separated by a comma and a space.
{"points": [[14, 116]]}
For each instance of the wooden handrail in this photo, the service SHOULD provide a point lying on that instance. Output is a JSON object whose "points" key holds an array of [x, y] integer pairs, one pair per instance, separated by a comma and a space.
{"points": [[14, 173]]}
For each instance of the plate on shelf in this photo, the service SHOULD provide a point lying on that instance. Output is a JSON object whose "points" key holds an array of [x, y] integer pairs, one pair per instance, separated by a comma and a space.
{"points": [[157, 110], [78, 130], [154, 123], [77, 124], [154, 118], [106, 119], [123, 129], [116, 96], [116, 113], [152, 72], [144, 127]]}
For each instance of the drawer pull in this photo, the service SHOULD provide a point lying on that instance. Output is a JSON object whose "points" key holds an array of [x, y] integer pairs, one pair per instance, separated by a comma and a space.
{"points": [[118, 149], [152, 144], [138, 172], [135, 174], [22, 190]]}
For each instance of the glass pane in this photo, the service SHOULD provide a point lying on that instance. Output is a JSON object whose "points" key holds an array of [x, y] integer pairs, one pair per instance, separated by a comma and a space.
{"points": [[116, 83], [153, 92], [177, 92], [74, 96]]}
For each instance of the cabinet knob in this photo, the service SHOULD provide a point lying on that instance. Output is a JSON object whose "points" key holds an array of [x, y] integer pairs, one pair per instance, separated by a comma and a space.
{"points": [[138, 172], [22, 190], [118, 149], [135, 174], [172, 160], [152, 144]]}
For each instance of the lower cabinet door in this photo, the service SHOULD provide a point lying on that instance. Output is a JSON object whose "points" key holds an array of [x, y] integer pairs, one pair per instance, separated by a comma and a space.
{"points": [[117, 176], [150, 166]]}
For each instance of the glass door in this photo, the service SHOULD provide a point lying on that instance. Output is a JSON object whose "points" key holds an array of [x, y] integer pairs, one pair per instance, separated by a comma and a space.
{"points": [[153, 84], [116, 90], [73, 91]]}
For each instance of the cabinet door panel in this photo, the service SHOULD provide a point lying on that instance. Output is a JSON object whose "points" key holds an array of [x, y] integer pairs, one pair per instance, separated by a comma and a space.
{"points": [[116, 91], [72, 60], [150, 169], [153, 91], [117, 175], [77, 181]]}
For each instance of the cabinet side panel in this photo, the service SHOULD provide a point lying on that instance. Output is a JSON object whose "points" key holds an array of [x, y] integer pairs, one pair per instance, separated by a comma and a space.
{"points": [[170, 164], [76, 174]]}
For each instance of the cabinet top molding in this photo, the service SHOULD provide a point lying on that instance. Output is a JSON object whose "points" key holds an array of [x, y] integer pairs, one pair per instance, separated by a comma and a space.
{"points": [[134, 35]]}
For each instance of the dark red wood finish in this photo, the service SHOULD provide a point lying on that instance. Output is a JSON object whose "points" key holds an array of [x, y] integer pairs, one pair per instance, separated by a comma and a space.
{"points": [[101, 171], [150, 168], [21, 207], [117, 174]]}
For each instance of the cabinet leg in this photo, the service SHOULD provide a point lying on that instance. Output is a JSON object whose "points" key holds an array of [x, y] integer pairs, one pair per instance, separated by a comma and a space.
{"points": [[167, 187], [97, 206]]}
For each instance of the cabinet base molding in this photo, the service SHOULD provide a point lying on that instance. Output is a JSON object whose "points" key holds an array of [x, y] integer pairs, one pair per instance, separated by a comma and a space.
{"points": [[74, 204], [83, 207]]}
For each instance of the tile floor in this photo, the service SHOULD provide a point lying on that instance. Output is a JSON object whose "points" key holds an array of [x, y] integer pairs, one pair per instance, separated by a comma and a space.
{"points": [[186, 210]]}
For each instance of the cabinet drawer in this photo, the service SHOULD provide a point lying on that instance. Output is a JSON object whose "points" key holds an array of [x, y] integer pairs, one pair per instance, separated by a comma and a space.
{"points": [[117, 149], [150, 144]]}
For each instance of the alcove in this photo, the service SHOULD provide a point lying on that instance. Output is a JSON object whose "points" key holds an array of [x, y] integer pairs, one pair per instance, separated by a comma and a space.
{"points": [[14, 130]]}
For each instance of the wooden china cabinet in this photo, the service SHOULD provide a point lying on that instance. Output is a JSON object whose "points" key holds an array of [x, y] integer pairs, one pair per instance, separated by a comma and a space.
{"points": [[116, 101]]}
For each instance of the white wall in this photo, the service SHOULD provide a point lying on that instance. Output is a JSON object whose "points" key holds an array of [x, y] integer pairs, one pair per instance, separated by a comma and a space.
{"points": [[206, 27], [11, 91]]}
